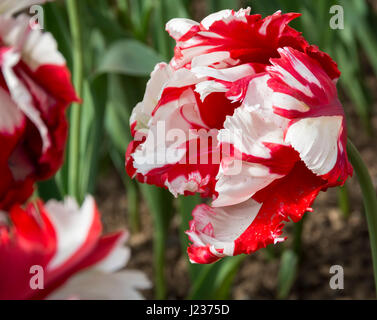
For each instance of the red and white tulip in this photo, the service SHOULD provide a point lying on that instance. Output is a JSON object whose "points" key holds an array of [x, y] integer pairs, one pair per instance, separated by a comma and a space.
{"points": [[266, 102], [64, 242], [35, 90]]}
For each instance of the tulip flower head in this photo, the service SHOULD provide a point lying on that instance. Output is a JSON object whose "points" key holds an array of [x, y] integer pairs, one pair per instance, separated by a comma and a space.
{"points": [[245, 113], [35, 91]]}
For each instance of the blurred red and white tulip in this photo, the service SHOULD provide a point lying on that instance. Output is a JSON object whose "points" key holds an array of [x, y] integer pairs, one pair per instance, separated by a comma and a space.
{"points": [[65, 243], [265, 100], [35, 91]]}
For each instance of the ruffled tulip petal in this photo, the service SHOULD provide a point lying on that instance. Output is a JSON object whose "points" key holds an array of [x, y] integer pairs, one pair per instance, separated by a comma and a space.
{"points": [[213, 236], [255, 223], [231, 31], [180, 28], [315, 112]]}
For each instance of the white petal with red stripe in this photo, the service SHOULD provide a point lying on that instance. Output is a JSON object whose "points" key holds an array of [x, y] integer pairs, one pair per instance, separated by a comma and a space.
{"points": [[142, 112], [225, 16], [179, 27], [75, 228], [306, 95], [213, 231], [316, 139]]}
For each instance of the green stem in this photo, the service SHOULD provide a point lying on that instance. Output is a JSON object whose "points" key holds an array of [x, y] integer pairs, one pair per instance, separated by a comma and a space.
{"points": [[297, 238], [161, 206], [75, 115], [124, 10], [370, 200], [160, 36], [159, 264], [344, 201], [289, 262], [133, 200], [270, 252]]}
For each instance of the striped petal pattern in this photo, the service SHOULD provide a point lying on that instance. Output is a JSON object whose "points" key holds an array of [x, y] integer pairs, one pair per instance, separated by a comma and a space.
{"points": [[246, 113]]}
